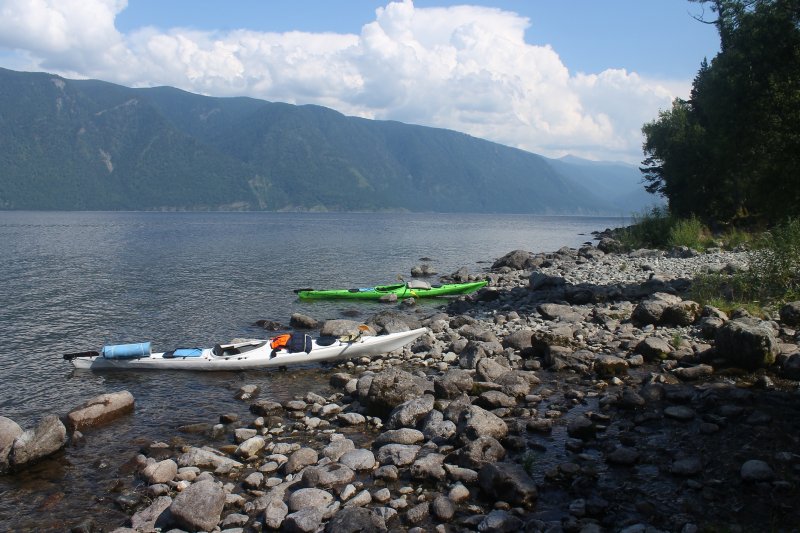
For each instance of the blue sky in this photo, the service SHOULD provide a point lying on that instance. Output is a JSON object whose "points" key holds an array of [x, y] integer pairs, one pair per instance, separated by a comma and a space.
{"points": [[552, 77]]}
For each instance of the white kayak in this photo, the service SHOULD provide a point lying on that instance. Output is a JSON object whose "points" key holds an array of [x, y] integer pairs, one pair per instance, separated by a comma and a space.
{"points": [[246, 355]]}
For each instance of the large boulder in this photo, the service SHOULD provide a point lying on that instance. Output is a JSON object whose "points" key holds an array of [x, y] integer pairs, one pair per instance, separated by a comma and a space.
{"points": [[199, 507], [100, 410], [33, 444], [390, 388], [9, 431], [515, 260], [746, 344]]}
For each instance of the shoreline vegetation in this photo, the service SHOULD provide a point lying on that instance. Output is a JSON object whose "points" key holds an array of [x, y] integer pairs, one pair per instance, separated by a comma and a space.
{"points": [[581, 390]]}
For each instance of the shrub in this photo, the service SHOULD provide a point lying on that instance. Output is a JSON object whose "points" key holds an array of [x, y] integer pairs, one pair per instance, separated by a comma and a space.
{"points": [[689, 232]]}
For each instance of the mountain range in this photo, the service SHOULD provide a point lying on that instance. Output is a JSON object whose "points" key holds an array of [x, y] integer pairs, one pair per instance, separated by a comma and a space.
{"points": [[92, 145]]}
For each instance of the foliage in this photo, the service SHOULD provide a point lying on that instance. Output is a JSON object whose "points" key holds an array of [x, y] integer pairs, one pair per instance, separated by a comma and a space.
{"points": [[772, 275], [731, 153], [650, 229], [690, 233]]}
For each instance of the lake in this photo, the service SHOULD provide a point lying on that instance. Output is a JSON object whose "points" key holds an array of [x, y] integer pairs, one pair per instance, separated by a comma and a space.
{"points": [[74, 281]]}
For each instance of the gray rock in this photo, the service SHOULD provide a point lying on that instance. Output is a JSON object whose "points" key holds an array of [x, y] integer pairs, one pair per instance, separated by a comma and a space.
{"points": [[300, 459], [654, 348], [756, 470], [397, 454], [337, 448], [358, 459], [443, 508], [160, 472], [494, 399], [250, 447], [9, 431], [688, 466], [508, 482], [400, 436], [539, 281], [409, 413], [309, 497], [390, 388], [515, 260], [649, 311], [490, 369], [559, 312], [499, 521], [481, 451], [744, 344], [275, 512], [429, 467], [327, 476], [623, 455], [607, 365], [476, 422], [340, 328], [435, 428], [199, 507], [300, 321], [453, 383], [518, 340], [247, 392], [683, 313], [790, 314], [351, 419], [156, 515], [203, 458], [356, 520], [693, 373], [307, 520], [47, 438], [100, 410]]}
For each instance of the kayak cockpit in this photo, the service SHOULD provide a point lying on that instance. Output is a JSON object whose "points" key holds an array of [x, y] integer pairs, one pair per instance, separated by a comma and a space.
{"points": [[238, 348]]}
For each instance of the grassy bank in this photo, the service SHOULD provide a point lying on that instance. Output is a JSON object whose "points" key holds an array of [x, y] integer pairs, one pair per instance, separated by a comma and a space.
{"points": [[771, 278]]}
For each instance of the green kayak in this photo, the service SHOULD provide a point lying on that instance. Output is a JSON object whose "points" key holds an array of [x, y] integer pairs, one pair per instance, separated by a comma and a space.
{"points": [[412, 289]]}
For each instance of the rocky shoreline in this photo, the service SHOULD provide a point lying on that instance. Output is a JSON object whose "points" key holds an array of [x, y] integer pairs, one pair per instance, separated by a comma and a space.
{"points": [[579, 392]]}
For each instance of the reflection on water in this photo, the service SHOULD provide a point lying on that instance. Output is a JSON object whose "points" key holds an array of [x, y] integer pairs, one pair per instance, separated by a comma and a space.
{"points": [[75, 281]]}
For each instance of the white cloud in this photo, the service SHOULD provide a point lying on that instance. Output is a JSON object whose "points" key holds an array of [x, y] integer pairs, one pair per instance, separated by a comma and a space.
{"points": [[466, 68]]}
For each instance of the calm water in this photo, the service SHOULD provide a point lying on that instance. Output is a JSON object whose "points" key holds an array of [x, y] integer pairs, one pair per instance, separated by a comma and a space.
{"points": [[76, 281]]}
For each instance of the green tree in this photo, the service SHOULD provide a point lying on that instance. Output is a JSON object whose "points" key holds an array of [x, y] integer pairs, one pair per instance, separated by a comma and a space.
{"points": [[731, 152]]}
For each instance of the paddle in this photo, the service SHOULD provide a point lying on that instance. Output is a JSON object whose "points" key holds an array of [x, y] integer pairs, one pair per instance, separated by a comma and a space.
{"points": [[71, 356], [302, 290]]}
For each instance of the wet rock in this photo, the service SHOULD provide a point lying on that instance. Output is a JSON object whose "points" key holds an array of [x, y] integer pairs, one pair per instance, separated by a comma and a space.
{"points": [[508, 482], [266, 408], [301, 321], [694, 373], [247, 392], [624, 456], [206, 458], [47, 438], [100, 410], [9, 431], [199, 507], [251, 447], [688, 466], [744, 344]]}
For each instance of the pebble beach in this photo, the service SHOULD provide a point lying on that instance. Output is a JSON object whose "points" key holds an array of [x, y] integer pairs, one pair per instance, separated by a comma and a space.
{"points": [[581, 391]]}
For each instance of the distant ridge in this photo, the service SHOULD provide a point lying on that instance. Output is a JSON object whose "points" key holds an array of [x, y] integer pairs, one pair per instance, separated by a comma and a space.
{"points": [[93, 145]]}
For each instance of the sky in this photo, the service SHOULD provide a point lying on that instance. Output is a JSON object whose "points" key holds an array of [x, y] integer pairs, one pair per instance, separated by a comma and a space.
{"points": [[553, 77]]}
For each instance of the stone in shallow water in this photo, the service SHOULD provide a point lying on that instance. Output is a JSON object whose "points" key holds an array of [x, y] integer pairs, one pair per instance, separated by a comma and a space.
{"points": [[756, 470]]}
